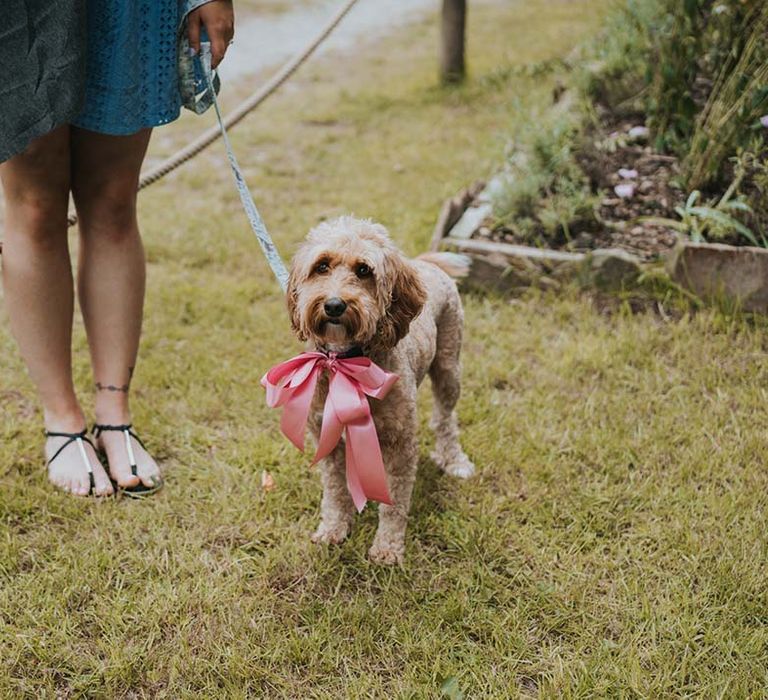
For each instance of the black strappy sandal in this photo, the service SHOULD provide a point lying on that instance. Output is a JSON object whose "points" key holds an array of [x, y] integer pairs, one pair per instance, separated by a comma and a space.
{"points": [[140, 490], [78, 438]]}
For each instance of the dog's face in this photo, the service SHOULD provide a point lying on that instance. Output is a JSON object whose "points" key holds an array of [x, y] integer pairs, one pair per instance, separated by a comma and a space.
{"points": [[350, 286]]}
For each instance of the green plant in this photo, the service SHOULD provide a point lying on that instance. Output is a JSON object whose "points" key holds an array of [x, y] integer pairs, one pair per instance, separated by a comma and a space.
{"points": [[697, 45], [546, 194], [736, 101], [701, 222], [672, 68], [695, 68], [755, 164], [614, 73]]}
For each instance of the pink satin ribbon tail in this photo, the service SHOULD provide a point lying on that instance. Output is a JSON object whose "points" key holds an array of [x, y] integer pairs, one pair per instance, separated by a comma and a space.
{"points": [[291, 385]]}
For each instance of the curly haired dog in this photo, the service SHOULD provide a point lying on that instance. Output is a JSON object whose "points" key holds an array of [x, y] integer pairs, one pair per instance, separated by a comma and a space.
{"points": [[350, 288]]}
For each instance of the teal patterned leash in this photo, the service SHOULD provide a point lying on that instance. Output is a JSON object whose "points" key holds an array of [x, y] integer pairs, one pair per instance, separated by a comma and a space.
{"points": [[254, 218]]}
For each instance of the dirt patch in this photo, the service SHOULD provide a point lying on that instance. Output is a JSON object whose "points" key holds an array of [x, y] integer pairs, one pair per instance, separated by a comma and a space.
{"points": [[634, 183]]}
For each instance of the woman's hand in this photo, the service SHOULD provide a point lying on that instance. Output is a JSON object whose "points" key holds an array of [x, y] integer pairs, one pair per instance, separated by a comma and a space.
{"points": [[218, 18]]}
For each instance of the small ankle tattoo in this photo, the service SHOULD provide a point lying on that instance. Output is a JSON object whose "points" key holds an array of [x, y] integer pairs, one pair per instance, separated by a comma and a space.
{"points": [[112, 387]]}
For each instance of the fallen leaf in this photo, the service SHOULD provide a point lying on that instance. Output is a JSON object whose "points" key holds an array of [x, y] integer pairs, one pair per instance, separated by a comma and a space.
{"points": [[267, 481]]}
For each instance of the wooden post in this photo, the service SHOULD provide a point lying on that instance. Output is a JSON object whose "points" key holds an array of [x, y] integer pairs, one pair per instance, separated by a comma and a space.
{"points": [[452, 66]]}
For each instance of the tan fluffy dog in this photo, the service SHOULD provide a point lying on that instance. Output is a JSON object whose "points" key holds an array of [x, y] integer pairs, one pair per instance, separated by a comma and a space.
{"points": [[351, 288]]}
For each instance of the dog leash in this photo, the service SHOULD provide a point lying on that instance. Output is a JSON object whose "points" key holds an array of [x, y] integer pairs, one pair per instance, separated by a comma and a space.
{"points": [[254, 218]]}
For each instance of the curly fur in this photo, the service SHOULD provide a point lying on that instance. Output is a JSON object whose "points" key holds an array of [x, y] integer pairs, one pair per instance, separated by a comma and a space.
{"points": [[407, 317]]}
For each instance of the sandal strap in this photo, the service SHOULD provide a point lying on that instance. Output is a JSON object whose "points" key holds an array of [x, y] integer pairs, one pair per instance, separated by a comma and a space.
{"points": [[104, 427], [74, 436], [79, 438], [127, 430]]}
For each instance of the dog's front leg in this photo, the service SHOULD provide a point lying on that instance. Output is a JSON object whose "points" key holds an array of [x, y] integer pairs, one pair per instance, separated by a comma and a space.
{"points": [[337, 509], [400, 461]]}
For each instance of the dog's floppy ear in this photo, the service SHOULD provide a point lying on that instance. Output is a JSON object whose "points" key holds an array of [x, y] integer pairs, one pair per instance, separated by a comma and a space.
{"points": [[292, 297], [407, 299]]}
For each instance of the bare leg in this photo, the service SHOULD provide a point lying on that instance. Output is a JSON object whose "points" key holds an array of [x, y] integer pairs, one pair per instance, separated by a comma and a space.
{"points": [[37, 281], [445, 374], [111, 280], [337, 509], [401, 460]]}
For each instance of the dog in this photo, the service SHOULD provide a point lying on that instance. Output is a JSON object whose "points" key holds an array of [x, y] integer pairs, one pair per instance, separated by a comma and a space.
{"points": [[350, 287]]}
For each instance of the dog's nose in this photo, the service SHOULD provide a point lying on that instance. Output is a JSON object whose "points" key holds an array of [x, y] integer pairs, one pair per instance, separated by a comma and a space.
{"points": [[335, 307]]}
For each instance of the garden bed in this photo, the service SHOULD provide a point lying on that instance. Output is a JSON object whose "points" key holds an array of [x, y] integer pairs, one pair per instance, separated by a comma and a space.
{"points": [[725, 274], [630, 183], [501, 265]]}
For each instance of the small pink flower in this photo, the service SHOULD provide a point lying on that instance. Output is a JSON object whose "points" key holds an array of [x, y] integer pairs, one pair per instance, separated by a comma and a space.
{"points": [[626, 190], [627, 174], [764, 121]]}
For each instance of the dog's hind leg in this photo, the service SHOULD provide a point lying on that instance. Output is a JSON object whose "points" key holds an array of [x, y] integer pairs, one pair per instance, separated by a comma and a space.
{"points": [[445, 373], [337, 509]]}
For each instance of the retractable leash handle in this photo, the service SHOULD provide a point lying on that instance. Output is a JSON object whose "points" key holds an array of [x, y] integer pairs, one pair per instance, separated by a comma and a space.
{"points": [[203, 64]]}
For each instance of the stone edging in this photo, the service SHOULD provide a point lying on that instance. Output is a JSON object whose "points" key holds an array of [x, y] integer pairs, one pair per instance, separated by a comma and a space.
{"points": [[711, 271], [716, 272]]}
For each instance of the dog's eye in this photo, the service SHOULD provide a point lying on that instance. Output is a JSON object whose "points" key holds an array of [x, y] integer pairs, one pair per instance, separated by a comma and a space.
{"points": [[322, 267], [362, 270]]}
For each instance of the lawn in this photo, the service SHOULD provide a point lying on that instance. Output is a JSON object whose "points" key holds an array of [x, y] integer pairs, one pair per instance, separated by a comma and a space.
{"points": [[612, 544]]}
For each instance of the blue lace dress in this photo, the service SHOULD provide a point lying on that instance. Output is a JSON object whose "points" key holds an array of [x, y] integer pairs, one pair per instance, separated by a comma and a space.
{"points": [[131, 64], [131, 74]]}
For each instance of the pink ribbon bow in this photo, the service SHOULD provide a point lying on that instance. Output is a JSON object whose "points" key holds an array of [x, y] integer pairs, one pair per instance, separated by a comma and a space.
{"points": [[291, 384]]}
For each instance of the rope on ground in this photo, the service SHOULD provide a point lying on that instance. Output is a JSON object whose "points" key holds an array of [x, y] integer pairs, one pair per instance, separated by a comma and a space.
{"points": [[245, 107]]}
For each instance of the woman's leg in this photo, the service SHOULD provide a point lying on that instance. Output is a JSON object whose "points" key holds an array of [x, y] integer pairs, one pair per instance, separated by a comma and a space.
{"points": [[111, 274], [37, 281]]}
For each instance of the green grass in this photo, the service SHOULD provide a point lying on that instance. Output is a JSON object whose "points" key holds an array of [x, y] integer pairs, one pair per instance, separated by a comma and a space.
{"points": [[612, 545]]}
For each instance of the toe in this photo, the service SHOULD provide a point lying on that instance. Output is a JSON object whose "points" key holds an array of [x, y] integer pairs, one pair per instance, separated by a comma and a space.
{"points": [[103, 487], [149, 472], [102, 484], [150, 479], [63, 482], [133, 480], [129, 481], [123, 475], [80, 488]]}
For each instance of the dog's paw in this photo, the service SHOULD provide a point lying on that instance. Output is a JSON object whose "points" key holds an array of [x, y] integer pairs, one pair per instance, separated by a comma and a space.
{"points": [[460, 466], [330, 534], [387, 555]]}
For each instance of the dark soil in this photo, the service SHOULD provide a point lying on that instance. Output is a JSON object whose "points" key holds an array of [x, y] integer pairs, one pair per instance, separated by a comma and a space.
{"points": [[655, 193]]}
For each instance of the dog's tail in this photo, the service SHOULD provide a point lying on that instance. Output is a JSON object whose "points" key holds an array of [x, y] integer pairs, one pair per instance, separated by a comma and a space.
{"points": [[454, 264]]}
